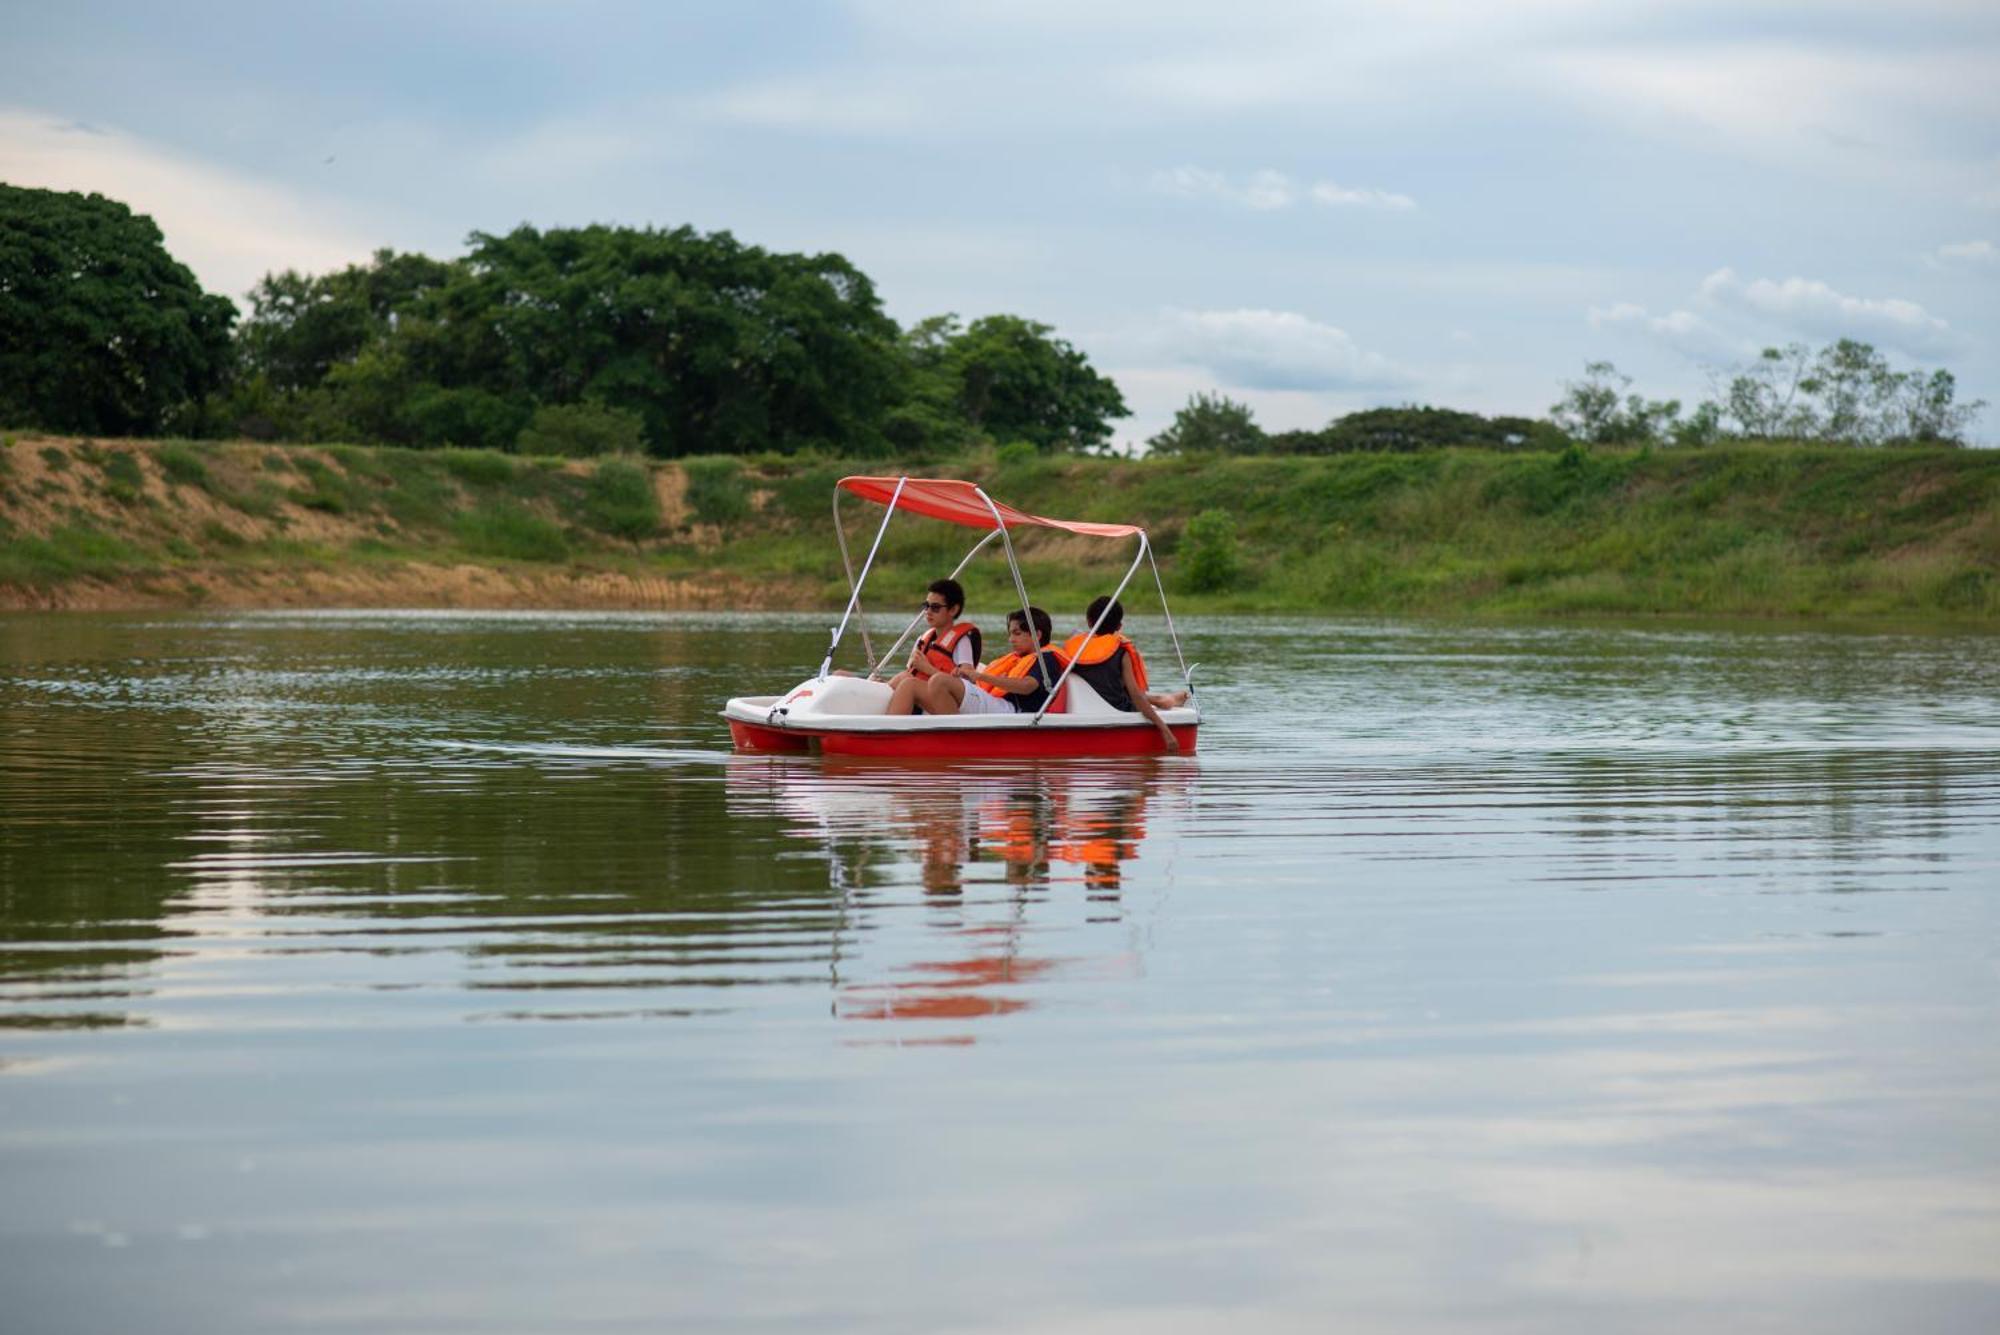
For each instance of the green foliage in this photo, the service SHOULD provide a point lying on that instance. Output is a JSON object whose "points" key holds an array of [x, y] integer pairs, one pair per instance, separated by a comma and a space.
{"points": [[124, 480], [1210, 557], [511, 532], [181, 464], [1006, 378], [332, 491], [101, 330], [619, 499], [582, 430], [1598, 411], [1211, 424], [70, 552], [1410, 429], [217, 534], [479, 468], [56, 459], [1015, 453], [715, 490], [1847, 393]]}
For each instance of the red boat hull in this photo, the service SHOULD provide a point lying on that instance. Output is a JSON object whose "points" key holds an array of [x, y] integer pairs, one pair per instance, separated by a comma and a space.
{"points": [[1011, 744]]}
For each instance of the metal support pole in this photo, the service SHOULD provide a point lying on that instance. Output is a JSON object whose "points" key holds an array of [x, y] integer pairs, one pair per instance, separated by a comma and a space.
{"points": [[854, 598], [1144, 550]]}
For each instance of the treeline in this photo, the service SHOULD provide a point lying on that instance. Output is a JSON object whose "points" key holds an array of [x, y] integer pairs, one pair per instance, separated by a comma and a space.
{"points": [[573, 340], [601, 340], [1846, 393]]}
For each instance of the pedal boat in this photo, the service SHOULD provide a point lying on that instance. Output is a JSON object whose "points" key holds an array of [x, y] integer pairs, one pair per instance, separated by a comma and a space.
{"points": [[839, 714]]}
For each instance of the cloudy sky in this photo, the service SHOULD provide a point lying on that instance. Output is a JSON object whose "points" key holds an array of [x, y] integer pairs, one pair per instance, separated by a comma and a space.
{"points": [[1313, 207]]}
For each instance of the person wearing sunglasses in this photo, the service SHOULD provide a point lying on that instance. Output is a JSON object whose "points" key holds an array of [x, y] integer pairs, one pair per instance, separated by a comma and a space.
{"points": [[946, 643]]}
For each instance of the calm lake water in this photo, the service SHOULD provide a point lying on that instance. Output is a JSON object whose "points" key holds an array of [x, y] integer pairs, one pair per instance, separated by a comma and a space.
{"points": [[433, 972]]}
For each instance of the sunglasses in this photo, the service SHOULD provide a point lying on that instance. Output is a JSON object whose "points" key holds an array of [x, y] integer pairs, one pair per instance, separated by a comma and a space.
{"points": [[935, 607]]}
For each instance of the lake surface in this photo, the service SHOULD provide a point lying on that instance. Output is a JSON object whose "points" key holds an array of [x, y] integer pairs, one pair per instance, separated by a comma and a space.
{"points": [[446, 972]]}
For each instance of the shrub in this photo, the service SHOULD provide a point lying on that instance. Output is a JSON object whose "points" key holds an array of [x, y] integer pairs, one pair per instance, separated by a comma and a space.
{"points": [[1210, 557], [715, 490], [619, 500], [582, 430], [181, 464], [510, 532], [124, 481], [479, 468]]}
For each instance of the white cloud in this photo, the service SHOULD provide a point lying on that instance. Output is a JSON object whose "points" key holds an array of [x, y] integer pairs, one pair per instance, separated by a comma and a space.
{"points": [[1969, 252], [1682, 330], [1266, 191], [1261, 193], [1272, 350], [1340, 197], [230, 229], [1813, 308]]}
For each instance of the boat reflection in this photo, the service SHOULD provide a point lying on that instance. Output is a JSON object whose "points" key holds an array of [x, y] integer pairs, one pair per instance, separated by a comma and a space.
{"points": [[1019, 874]]}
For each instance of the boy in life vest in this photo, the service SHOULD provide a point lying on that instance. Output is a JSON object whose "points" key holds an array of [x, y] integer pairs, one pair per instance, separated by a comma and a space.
{"points": [[1114, 669], [1017, 683], [946, 643]]}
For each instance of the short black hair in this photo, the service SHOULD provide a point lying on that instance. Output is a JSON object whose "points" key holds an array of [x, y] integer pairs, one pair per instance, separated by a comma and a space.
{"points": [[951, 591], [1045, 629], [1113, 619]]}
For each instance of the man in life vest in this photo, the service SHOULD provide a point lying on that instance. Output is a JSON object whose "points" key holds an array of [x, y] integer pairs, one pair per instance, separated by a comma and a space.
{"points": [[946, 643], [1114, 669], [1016, 683]]}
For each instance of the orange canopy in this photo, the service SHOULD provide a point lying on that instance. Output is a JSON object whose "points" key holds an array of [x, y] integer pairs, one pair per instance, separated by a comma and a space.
{"points": [[958, 502]]}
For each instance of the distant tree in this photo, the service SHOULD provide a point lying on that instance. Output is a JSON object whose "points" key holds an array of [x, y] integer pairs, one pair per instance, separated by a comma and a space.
{"points": [[1597, 410], [301, 327], [1846, 393], [1210, 424], [101, 330], [1412, 428], [1008, 379]]}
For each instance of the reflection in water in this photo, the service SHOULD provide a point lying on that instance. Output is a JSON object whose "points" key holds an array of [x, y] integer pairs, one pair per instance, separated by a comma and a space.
{"points": [[989, 844], [1557, 979]]}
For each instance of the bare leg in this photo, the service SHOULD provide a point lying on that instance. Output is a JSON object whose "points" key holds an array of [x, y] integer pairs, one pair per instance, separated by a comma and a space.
{"points": [[944, 694], [1168, 699], [906, 695]]}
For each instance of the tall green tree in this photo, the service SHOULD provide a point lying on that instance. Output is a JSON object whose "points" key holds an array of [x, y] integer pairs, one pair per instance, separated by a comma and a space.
{"points": [[101, 330], [1210, 424], [718, 346], [1009, 379]]}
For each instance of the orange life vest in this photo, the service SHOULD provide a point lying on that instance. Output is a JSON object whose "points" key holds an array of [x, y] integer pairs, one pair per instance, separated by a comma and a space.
{"points": [[1011, 665], [1087, 650], [936, 649]]}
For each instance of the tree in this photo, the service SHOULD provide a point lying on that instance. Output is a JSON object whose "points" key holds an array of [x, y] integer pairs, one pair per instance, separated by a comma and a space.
{"points": [[1410, 429], [1008, 379], [1846, 393], [300, 328], [101, 330], [1596, 409], [1210, 424]]}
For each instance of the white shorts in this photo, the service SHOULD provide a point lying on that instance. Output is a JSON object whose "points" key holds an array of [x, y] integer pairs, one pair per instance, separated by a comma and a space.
{"points": [[977, 701]]}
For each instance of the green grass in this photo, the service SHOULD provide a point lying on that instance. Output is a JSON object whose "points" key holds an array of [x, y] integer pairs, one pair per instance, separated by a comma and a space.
{"points": [[479, 468], [71, 552], [619, 500], [505, 530], [124, 480], [716, 492], [1737, 531], [181, 464]]}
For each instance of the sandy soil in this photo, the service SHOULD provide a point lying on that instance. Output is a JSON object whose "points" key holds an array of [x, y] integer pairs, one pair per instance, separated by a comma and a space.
{"points": [[47, 483]]}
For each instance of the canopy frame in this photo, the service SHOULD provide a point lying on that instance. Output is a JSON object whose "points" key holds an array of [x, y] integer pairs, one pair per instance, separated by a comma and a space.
{"points": [[951, 500]]}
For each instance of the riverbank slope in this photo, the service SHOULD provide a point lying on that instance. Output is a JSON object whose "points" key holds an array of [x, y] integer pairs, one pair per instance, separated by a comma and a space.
{"points": [[1765, 531]]}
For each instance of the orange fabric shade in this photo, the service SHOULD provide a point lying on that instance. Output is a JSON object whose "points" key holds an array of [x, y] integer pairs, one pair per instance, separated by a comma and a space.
{"points": [[958, 502]]}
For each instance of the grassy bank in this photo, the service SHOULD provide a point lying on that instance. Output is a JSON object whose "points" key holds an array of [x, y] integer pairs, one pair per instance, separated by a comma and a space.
{"points": [[1749, 531]]}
